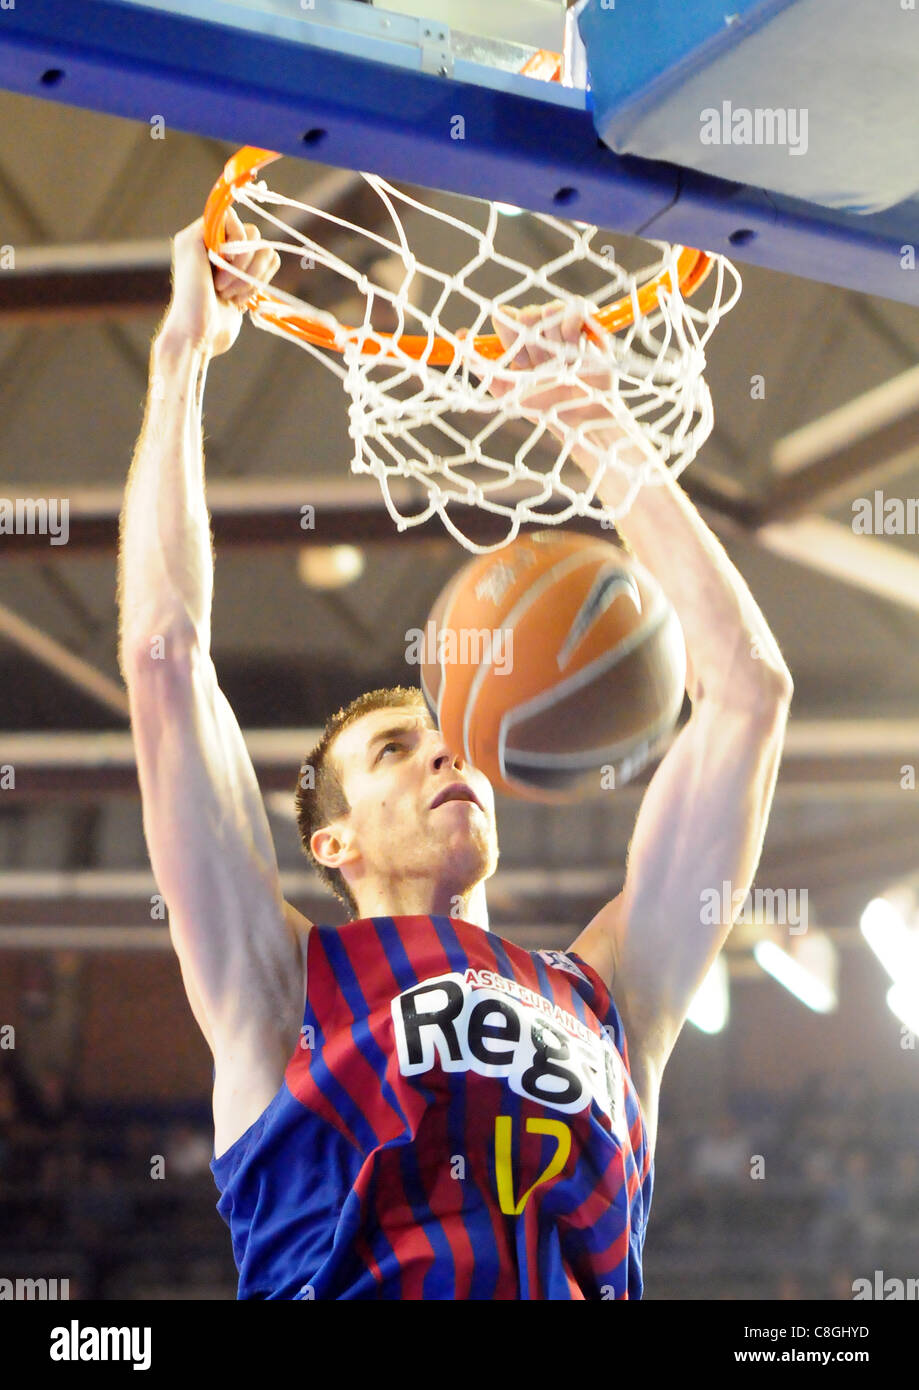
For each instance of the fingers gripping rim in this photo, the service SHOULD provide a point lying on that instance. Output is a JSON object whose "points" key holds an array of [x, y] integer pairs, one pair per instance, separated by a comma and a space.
{"points": [[239, 169], [692, 267]]}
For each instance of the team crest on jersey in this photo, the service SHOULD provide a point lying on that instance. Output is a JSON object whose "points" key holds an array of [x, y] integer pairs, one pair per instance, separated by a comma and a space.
{"points": [[562, 962], [485, 1023]]}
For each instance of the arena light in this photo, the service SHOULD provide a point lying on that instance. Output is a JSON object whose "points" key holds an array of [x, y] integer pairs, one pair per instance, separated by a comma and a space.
{"points": [[892, 941], [711, 1003], [329, 566], [805, 986], [896, 946], [904, 1003]]}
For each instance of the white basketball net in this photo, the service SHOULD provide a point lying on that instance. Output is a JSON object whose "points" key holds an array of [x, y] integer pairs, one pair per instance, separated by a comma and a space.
{"points": [[442, 428]]}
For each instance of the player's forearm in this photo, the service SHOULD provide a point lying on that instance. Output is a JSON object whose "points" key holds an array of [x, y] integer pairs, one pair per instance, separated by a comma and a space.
{"points": [[165, 557], [733, 655]]}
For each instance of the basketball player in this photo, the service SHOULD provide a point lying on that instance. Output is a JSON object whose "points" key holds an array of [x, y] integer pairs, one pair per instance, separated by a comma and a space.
{"points": [[408, 1106]]}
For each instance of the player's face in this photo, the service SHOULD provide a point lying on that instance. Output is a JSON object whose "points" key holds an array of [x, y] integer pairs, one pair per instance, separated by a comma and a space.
{"points": [[395, 766]]}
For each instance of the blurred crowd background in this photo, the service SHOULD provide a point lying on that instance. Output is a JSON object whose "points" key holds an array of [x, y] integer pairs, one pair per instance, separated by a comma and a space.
{"points": [[790, 1196]]}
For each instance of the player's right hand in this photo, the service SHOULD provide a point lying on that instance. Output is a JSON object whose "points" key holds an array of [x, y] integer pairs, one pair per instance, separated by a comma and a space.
{"points": [[208, 302]]}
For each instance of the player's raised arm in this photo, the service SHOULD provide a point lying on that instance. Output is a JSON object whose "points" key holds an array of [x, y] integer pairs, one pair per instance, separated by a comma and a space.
{"points": [[238, 943], [703, 817]]}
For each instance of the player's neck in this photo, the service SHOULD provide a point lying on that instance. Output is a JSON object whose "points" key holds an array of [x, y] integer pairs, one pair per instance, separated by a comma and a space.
{"points": [[414, 900]]}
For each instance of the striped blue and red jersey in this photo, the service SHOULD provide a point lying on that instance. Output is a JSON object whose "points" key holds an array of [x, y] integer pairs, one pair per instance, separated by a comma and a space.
{"points": [[457, 1122]]}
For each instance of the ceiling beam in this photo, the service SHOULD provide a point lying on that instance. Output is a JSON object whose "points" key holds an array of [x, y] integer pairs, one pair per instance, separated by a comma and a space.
{"points": [[531, 936], [92, 281], [261, 512], [837, 759], [876, 435], [863, 562], [46, 894], [57, 658]]}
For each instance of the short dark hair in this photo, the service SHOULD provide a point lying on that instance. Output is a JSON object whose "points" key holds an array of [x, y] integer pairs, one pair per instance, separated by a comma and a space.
{"points": [[323, 799]]}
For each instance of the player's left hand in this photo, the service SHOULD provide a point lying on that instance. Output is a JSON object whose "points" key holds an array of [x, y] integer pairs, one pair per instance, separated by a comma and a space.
{"points": [[588, 400]]}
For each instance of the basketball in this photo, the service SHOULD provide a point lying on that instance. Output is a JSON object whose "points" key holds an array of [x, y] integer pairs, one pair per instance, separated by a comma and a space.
{"points": [[556, 666]]}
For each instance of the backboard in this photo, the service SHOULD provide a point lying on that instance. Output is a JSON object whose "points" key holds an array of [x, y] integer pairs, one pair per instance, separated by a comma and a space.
{"points": [[431, 92]]}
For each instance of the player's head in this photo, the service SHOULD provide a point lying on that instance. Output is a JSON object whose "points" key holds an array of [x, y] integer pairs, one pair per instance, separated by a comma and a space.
{"points": [[365, 812]]}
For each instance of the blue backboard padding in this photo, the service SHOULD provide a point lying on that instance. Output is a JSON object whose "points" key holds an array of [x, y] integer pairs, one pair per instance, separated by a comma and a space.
{"points": [[813, 99], [262, 89], [639, 48], [247, 88]]}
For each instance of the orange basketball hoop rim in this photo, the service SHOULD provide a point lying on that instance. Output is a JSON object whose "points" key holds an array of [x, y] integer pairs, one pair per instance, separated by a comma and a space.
{"points": [[692, 268]]}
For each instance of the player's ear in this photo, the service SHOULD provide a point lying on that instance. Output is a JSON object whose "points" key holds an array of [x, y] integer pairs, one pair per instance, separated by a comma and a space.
{"points": [[334, 845]]}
